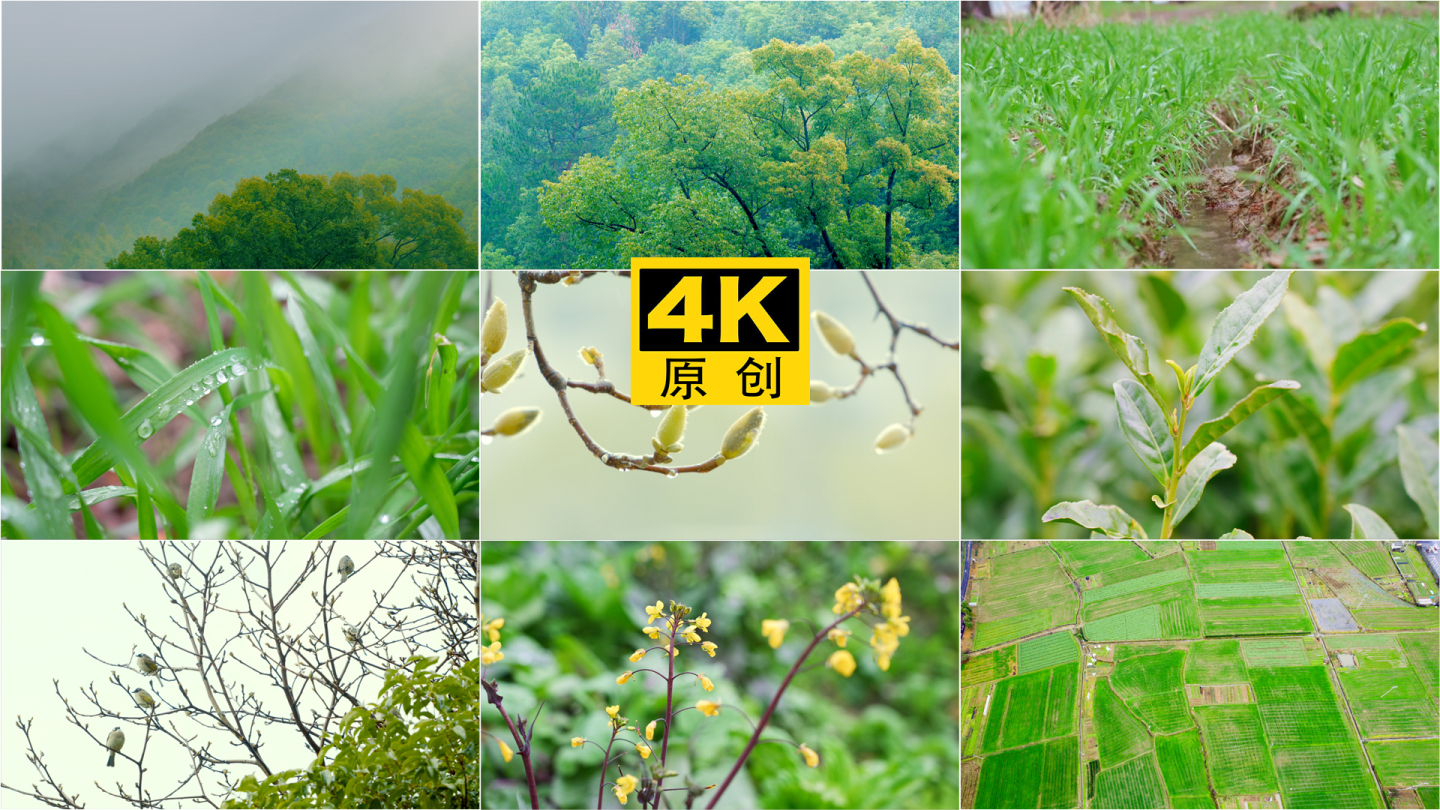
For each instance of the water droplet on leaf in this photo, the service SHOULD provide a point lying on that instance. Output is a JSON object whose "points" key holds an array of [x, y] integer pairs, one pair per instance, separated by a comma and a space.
{"points": [[208, 379], [215, 421], [238, 370], [189, 402], [384, 518], [145, 429], [37, 340], [195, 387], [220, 377]]}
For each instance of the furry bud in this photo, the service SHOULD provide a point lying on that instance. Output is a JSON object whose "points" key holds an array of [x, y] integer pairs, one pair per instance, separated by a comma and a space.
{"points": [[590, 354], [516, 421], [743, 434], [672, 428], [837, 337], [820, 392], [492, 331], [500, 373], [892, 437]]}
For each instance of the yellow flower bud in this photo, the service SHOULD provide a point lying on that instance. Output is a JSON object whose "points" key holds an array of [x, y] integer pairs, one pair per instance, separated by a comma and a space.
{"points": [[643, 749], [576, 742], [842, 662], [505, 750], [516, 421], [837, 337], [742, 435], [811, 758], [672, 429], [891, 437], [650, 730], [492, 331], [820, 392], [623, 678], [707, 683], [708, 708], [638, 655], [500, 373], [590, 354], [612, 711], [709, 647]]}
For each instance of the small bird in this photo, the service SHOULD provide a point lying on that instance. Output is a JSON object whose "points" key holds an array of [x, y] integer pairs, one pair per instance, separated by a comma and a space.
{"points": [[345, 568], [352, 635], [114, 742], [143, 699], [175, 572], [146, 664]]}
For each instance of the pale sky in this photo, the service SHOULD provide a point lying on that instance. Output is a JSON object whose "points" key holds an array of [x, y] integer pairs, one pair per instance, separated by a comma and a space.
{"points": [[60, 600]]}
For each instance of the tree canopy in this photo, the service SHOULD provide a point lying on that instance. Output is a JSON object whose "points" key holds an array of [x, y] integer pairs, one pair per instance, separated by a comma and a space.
{"points": [[293, 220]]}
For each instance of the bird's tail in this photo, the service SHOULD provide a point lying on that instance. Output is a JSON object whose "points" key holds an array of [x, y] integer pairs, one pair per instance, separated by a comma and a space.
{"points": [[110, 763]]}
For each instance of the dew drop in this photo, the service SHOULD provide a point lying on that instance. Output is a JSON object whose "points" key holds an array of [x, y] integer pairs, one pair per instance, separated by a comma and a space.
{"points": [[122, 361], [486, 439], [655, 414], [213, 448], [277, 454], [384, 518], [37, 340], [672, 474], [189, 402], [220, 377], [215, 421], [195, 387], [238, 370], [145, 429], [22, 465], [285, 468], [208, 379], [164, 409]]}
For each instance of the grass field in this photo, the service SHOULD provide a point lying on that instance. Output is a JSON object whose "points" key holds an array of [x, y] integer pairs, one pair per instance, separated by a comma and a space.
{"points": [[1010, 598], [990, 666], [1134, 625], [1151, 687], [1298, 706], [1064, 700], [1423, 651], [1029, 708], [1085, 559], [1315, 554], [999, 631], [1182, 764], [1406, 763], [1180, 618], [1115, 576], [1326, 776], [1369, 556], [1282, 652], [1249, 545], [1044, 775], [1218, 590], [1389, 702], [1130, 601], [1254, 616], [972, 699], [1239, 566], [1047, 651], [1215, 661], [1235, 747], [1132, 784], [1398, 618], [1120, 734], [1137, 584]]}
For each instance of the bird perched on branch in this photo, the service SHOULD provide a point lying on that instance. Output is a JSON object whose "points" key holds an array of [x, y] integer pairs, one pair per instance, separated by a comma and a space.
{"points": [[175, 572], [114, 742], [146, 664], [143, 699], [345, 567]]}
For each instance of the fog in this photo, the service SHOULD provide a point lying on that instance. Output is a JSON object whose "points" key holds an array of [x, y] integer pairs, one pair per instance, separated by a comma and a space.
{"points": [[77, 75]]}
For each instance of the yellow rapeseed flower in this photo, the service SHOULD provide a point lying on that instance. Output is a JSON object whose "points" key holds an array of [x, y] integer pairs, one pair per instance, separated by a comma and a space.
{"points": [[847, 598], [652, 632], [838, 636], [624, 786], [650, 730], [692, 637], [708, 708], [705, 682], [638, 655], [505, 750], [643, 749], [891, 596], [811, 758], [576, 742], [623, 678], [900, 625], [703, 623], [709, 647], [842, 662], [613, 711], [774, 629], [655, 612], [491, 654], [492, 628]]}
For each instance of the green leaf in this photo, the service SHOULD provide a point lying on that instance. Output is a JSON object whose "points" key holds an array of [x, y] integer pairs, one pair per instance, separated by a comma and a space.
{"points": [[1166, 305], [97, 494], [1211, 460], [1237, 534], [209, 470], [1145, 429], [1109, 519], [1308, 423], [440, 381], [1042, 369], [1236, 325], [44, 468], [1208, 432], [1366, 525], [1304, 319], [1371, 351], [1419, 458], [1130, 349]]}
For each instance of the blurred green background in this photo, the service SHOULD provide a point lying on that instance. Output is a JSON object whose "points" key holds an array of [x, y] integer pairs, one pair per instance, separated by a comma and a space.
{"points": [[573, 614], [814, 474], [1026, 449]]}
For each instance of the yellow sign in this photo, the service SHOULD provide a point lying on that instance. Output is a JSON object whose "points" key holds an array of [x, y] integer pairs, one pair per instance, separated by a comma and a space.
{"points": [[720, 331]]}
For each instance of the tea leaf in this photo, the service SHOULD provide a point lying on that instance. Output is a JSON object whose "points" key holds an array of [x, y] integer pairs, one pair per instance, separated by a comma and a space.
{"points": [[1237, 534], [1109, 519], [1145, 429], [1366, 525], [1211, 460], [1130, 349], [1309, 424], [1371, 351], [1208, 432], [1236, 325], [1418, 461], [1304, 319]]}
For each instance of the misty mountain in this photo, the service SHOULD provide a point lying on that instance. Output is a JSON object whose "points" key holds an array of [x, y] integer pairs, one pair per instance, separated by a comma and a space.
{"points": [[398, 97]]}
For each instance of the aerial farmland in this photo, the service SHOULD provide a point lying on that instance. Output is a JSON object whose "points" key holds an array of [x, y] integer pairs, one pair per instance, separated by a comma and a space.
{"points": [[1220, 674]]}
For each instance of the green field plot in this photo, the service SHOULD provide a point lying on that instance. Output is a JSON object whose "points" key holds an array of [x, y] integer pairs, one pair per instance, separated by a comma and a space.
{"points": [[1133, 625], [1239, 566], [1151, 687], [1235, 748], [1399, 618], [1130, 601], [1182, 802], [1389, 703], [1010, 779], [1144, 583], [1315, 554], [1215, 661], [1274, 652], [1159, 548], [1429, 796], [1180, 618], [1423, 650], [1374, 651], [1091, 558], [1254, 616], [1181, 764], [1248, 545], [1133, 784], [995, 718], [1406, 763], [1369, 556], [1025, 714], [972, 707], [1047, 651], [1028, 708], [988, 634], [1115, 576], [1063, 700], [1120, 735], [1298, 706], [1219, 590], [1329, 775], [991, 666]]}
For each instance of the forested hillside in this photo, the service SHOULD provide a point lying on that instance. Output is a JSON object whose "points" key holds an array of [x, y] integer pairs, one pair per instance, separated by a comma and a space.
{"points": [[419, 129], [620, 129]]}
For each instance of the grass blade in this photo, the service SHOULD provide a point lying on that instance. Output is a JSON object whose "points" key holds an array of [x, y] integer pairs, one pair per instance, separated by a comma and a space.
{"points": [[439, 384], [209, 470], [44, 466]]}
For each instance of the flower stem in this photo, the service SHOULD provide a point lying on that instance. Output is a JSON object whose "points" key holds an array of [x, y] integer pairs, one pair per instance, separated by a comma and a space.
{"points": [[669, 710], [765, 719], [522, 746]]}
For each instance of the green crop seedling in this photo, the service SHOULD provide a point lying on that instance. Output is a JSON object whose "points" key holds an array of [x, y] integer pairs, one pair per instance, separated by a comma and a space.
{"points": [[1155, 430]]}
